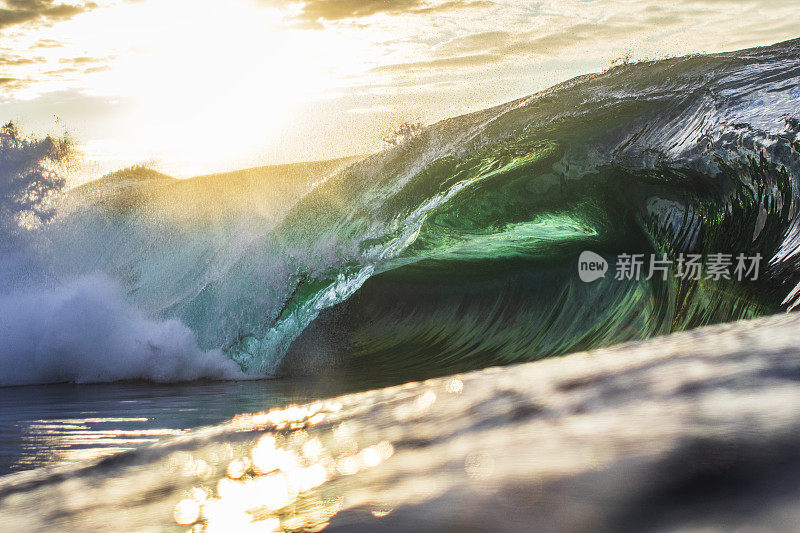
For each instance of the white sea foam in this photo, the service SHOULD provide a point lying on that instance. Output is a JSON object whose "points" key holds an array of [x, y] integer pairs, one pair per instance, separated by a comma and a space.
{"points": [[85, 331], [79, 328]]}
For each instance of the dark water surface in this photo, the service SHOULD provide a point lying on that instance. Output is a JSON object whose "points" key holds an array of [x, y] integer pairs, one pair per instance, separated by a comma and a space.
{"points": [[46, 424]]}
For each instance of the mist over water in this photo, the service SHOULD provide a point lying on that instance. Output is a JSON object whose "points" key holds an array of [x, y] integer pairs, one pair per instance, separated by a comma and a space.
{"points": [[455, 250], [58, 326]]}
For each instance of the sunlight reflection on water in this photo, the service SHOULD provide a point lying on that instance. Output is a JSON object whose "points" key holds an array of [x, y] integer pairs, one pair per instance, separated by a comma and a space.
{"points": [[50, 424], [270, 486]]}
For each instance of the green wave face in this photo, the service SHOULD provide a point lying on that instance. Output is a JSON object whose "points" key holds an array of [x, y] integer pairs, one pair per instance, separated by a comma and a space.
{"points": [[476, 259], [459, 248], [491, 275]]}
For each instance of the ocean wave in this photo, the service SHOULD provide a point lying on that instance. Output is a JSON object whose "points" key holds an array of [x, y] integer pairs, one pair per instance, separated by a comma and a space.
{"points": [[458, 249]]}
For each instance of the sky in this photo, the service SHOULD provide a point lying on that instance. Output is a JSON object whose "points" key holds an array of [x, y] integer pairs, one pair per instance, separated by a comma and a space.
{"points": [[198, 86]]}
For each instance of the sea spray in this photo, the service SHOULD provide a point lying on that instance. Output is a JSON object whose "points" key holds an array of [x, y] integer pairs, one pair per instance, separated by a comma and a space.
{"points": [[58, 328]]}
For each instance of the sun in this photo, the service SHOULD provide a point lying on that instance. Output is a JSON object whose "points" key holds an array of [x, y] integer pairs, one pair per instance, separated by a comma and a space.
{"points": [[206, 88]]}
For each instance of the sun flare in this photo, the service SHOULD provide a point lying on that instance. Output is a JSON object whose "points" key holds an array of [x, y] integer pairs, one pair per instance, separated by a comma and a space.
{"points": [[197, 86]]}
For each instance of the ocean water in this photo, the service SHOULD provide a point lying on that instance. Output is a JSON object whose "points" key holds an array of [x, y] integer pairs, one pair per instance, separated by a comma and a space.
{"points": [[699, 430], [457, 250], [44, 425], [47, 424]]}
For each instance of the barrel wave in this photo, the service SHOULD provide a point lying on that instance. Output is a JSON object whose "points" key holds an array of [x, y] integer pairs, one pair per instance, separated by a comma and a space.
{"points": [[458, 249]]}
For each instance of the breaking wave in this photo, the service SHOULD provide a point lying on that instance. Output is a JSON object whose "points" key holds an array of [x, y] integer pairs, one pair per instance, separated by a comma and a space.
{"points": [[455, 250], [58, 327]]}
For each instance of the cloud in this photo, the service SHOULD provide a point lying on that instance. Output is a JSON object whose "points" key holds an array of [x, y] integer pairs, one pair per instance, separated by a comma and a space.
{"points": [[332, 10], [490, 48], [81, 60], [20, 77], [450, 6], [341, 9], [494, 47], [48, 43], [9, 84], [442, 63], [60, 72], [26, 11], [575, 35], [18, 61], [476, 42]]}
